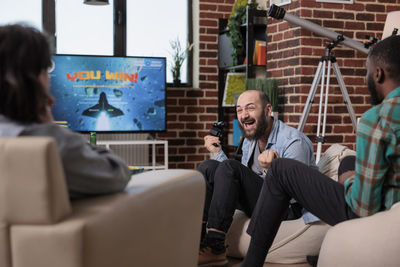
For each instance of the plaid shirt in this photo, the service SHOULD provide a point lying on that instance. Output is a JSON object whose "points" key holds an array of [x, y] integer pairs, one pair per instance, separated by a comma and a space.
{"points": [[375, 186]]}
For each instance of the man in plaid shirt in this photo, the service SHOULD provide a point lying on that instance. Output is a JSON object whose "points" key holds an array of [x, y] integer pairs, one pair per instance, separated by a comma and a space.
{"points": [[373, 186]]}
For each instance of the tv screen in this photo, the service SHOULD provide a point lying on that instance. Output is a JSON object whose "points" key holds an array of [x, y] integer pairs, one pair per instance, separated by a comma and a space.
{"points": [[109, 94]]}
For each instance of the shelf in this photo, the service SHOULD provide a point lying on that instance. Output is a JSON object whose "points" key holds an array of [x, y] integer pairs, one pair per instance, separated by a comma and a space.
{"points": [[255, 28], [238, 67]]}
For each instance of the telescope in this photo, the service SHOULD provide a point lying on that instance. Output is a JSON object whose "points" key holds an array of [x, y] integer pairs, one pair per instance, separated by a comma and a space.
{"points": [[279, 13]]}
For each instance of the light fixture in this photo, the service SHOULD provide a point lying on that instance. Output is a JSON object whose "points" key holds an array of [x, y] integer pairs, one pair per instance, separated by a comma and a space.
{"points": [[96, 2], [392, 23]]}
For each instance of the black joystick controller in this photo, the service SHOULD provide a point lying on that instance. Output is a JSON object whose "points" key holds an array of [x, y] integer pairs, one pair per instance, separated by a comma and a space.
{"points": [[217, 130]]}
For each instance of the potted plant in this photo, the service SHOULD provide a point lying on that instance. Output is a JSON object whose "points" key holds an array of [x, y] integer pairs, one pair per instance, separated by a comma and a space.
{"points": [[178, 57], [236, 20]]}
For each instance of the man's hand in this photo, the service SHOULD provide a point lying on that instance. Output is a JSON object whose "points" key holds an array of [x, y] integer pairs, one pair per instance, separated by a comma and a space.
{"points": [[209, 142], [344, 176], [265, 158]]}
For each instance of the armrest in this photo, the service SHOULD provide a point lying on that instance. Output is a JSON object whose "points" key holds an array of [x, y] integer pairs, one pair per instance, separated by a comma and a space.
{"points": [[32, 182], [157, 222], [368, 241]]}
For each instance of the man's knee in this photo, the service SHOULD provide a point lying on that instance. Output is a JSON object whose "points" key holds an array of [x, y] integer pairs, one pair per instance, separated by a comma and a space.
{"points": [[230, 164], [208, 167], [282, 167], [228, 170]]}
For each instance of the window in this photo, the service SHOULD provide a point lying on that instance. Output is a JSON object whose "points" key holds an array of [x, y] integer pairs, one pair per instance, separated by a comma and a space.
{"points": [[84, 29], [151, 25], [21, 11]]}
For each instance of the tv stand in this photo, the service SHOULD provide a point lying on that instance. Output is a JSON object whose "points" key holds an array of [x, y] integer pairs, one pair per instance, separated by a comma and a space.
{"points": [[154, 165]]}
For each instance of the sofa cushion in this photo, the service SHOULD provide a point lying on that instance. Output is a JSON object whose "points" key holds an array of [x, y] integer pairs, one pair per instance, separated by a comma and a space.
{"points": [[293, 242], [329, 162]]}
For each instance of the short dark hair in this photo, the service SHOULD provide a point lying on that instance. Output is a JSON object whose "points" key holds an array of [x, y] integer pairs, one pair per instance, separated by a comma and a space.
{"points": [[386, 53], [24, 53]]}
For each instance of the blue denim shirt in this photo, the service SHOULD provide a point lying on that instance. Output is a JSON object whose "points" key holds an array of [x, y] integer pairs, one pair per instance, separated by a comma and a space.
{"points": [[289, 143]]}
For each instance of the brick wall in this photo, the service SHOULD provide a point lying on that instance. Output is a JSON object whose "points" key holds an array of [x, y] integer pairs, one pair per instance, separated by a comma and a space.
{"points": [[292, 57]]}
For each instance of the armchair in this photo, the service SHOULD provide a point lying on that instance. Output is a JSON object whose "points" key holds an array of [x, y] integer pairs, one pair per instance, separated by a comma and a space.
{"points": [[156, 222]]}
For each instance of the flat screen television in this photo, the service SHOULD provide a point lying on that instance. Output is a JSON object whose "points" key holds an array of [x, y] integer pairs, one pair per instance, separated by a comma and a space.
{"points": [[109, 94]]}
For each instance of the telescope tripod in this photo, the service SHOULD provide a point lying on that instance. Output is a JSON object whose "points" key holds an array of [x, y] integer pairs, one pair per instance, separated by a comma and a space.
{"points": [[320, 73]]}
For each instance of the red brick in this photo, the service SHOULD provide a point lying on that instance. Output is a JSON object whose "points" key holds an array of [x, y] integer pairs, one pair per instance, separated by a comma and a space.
{"points": [[212, 31], [175, 93], [375, 26], [189, 166], [208, 117], [208, 102], [175, 109], [343, 129], [166, 135], [332, 6], [195, 142], [208, 70], [204, 7], [197, 158], [208, 54], [208, 38], [365, 17], [375, 8], [333, 24], [187, 102], [355, 25], [195, 126], [224, 9], [187, 134], [390, 8], [175, 126], [195, 93], [208, 15], [323, 14], [344, 15], [191, 118]]}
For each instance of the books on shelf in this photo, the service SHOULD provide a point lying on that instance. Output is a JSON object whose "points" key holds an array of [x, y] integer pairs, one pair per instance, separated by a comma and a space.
{"points": [[259, 54]]}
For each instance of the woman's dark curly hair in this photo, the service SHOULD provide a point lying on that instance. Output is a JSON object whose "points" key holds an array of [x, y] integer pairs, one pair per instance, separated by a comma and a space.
{"points": [[24, 53]]}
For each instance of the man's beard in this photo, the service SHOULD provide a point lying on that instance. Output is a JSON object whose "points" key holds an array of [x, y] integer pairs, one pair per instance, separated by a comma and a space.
{"points": [[372, 90], [262, 125]]}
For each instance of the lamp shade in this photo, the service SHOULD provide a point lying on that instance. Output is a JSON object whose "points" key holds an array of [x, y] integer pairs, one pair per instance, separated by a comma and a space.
{"points": [[392, 22], [96, 2]]}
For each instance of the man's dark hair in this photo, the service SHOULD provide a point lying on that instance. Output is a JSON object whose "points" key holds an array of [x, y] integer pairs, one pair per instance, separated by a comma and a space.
{"points": [[24, 53], [386, 54]]}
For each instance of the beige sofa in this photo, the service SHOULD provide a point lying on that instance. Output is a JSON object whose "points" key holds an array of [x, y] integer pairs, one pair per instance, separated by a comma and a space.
{"points": [[155, 223]]}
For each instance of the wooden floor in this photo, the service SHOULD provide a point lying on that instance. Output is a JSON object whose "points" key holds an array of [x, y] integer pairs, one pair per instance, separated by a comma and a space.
{"points": [[236, 262]]}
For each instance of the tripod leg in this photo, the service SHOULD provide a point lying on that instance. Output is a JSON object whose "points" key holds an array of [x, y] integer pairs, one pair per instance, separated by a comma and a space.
{"points": [[346, 97], [321, 138], [310, 98]]}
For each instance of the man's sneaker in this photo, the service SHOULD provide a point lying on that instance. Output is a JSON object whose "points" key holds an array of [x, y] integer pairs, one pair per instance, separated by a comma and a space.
{"points": [[208, 258]]}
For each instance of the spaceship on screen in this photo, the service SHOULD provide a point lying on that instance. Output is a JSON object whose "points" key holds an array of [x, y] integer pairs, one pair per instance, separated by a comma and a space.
{"points": [[102, 106]]}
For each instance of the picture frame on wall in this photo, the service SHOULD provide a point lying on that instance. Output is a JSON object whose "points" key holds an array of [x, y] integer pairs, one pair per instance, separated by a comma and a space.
{"points": [[279, 2], [235, 85], [336, 1]]}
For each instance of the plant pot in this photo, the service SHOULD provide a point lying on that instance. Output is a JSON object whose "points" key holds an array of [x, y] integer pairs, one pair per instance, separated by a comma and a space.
{"points": [[177, 82]]}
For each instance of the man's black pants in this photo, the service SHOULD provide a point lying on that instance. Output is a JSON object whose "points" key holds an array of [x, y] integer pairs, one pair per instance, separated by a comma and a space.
{"points": [[229, 185], [286, 179]]}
